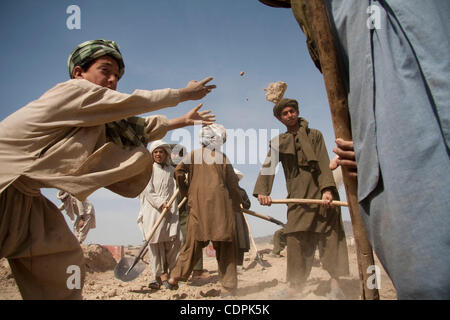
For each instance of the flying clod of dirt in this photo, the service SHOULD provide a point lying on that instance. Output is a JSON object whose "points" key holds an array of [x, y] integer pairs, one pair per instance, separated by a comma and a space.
{"points": [[275, 91]]}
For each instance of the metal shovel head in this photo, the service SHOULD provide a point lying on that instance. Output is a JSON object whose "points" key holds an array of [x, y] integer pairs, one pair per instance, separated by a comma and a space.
{"points": [[120, 271], [261, 261]]}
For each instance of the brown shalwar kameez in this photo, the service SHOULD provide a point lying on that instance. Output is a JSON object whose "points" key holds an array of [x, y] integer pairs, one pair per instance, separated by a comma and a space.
{"points": [[305, 163], [58, 141], [213, 197], [242, 232]]}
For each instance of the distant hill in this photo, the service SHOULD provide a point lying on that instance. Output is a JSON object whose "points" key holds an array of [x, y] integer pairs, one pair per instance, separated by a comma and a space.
{"points": [[265, 239]]}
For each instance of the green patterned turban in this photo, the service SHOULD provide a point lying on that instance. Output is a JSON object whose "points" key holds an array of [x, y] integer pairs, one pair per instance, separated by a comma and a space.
{"points": [[93, 49]]}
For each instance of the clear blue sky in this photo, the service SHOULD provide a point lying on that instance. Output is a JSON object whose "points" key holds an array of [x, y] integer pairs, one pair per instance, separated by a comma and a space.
{"points": [[166, 43]]}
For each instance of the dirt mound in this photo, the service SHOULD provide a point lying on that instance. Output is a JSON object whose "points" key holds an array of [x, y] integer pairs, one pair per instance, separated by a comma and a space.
{"points": [[98, 258]]}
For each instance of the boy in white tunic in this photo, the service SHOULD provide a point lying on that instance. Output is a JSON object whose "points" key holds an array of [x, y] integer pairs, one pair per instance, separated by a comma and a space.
{"points": [[166, 243]]}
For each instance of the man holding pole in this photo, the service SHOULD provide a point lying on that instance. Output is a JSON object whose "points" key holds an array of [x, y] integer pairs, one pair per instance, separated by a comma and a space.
{"points": [[305, 161]]}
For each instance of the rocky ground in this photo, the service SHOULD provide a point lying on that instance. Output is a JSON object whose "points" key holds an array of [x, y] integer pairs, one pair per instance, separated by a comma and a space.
{"points": [[255, 281]]}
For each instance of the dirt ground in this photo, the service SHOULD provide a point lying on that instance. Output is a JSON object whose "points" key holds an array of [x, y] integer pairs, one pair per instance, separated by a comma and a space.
{"points": [[254, 281]]}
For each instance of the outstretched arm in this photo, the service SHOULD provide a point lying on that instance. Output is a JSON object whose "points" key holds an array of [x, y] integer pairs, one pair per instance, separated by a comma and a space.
{"points": [[192, 117], [196, 90]]}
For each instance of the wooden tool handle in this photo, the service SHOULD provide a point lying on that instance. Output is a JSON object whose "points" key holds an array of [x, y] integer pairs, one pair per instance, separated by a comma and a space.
{"points": [[308, 201], [158, 222], [163, 213], [259, 215], [182, 202]]}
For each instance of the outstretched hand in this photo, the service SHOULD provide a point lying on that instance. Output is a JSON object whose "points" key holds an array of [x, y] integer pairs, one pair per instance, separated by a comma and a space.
{"points": [[345, 157], [195, 117], [196, 90]]}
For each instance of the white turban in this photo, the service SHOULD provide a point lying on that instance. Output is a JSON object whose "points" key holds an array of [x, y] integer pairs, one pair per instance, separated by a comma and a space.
{"points": [[213, 135], [165, 146]]}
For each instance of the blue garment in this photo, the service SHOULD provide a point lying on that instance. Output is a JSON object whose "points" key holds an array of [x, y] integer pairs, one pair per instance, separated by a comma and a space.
{"points": [[398, 79]]}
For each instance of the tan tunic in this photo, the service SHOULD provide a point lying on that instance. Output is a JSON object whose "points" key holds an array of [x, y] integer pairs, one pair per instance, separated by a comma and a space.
{"points": [[213, 196], [302, 181], [59, 139]]}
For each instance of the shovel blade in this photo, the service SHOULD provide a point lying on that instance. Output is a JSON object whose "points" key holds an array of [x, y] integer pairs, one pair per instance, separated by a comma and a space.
{"points": [[120, 271], [262, 262]]}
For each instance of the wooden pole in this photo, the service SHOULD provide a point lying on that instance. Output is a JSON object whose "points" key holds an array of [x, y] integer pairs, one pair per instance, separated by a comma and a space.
{"points": [[182, 202], [152, 232], [259, 215], [258, 257], [337, 97], [308, 201]]}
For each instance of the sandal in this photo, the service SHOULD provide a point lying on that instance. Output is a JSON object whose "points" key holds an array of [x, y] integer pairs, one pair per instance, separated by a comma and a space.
{"points": [[170, 286], [154, 285]]}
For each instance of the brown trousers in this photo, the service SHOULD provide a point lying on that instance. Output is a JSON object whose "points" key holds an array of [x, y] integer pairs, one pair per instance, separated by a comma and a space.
{"points": [[183, 226], [45, 257], [225, 254], [279, 241], [301, 248]]}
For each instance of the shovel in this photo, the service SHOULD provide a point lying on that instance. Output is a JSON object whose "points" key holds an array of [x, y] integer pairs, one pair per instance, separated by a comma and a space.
{"points": [[258, 257], [259, 215], [128, 268], [123, 269]]}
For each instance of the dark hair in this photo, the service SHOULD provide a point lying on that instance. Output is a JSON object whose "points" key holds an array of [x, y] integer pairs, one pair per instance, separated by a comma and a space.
{"points": [[89, 62], [277, 108], [85, 66]]}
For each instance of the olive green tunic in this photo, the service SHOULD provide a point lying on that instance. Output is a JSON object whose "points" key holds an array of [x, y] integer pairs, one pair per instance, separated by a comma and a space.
{"points": [[307, 173], [306, 168]]}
